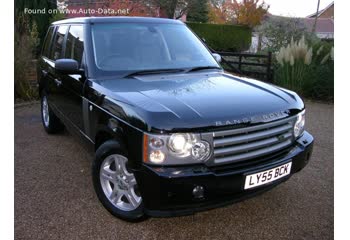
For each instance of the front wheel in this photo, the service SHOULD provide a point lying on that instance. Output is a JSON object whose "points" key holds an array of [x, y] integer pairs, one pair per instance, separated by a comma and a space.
{"points": [[115, 185]]}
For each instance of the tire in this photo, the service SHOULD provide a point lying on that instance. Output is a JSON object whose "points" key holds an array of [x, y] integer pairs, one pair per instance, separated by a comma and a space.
{"points": [[114, 184], [50, 121]]}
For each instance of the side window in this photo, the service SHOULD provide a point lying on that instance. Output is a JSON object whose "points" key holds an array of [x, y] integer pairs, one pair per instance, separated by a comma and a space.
{"points": [[75, 43], [47, 42], [56, 51]]}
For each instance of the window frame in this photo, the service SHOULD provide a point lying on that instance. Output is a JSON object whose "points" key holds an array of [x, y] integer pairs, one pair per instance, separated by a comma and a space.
{"points": [[82, 63], [53, 41], [96, 72], [48, 41]]}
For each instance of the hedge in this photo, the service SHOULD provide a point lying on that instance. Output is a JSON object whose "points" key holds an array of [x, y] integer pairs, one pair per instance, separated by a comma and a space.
{"points": [[222, 37]]}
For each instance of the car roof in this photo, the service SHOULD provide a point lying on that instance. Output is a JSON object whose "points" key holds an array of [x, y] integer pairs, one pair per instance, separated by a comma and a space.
{"points": [[117, 20]]}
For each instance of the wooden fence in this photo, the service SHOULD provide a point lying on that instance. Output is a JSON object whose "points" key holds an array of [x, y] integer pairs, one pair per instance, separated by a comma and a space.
{"points": [[257, 66]]}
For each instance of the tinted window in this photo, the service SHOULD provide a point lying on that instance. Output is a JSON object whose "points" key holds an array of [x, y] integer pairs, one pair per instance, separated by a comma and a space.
{"points": [[47, 42], [58, 42], [75, 43], [143, 46]]}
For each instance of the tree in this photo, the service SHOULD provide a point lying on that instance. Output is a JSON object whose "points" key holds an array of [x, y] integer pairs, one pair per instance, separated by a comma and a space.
{"points": [[216, 14], [170, 8], [278, 31], [26, 42], [198, 11], [245, 12], [41, 20]]}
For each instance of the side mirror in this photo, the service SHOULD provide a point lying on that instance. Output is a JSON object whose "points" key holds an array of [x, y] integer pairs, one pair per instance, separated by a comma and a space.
{"points": [[67, 66], [217, 57]]}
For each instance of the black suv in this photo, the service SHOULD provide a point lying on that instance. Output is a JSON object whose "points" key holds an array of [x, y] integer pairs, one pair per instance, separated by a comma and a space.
{"points": [[171, 132]]}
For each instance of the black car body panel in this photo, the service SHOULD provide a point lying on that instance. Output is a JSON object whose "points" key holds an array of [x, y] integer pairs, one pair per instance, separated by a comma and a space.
{"points": [[100, 108], [171, 193], [197, 100]]}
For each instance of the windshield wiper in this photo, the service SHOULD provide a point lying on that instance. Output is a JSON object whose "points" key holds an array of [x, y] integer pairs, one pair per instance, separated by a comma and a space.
{"points": [[202, 68], [154, 71]]}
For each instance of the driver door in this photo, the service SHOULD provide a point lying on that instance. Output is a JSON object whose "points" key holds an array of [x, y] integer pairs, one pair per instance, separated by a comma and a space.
{"points": [[72, 84]]}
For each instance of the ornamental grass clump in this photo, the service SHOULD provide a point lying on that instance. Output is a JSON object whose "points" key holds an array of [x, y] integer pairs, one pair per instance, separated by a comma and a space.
{"points": [[307, 70], [293, 62], [319, 81]]}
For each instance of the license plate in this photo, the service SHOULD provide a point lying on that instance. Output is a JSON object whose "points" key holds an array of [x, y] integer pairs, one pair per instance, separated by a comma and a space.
{"points": [[261, 178]]}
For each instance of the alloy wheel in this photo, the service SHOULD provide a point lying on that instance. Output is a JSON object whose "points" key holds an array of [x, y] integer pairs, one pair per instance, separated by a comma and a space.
{"points": [[45, 111], [118, 184]]}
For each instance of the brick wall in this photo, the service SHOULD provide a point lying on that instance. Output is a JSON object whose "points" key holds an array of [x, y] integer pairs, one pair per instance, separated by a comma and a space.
{"points": [[32, 75]]}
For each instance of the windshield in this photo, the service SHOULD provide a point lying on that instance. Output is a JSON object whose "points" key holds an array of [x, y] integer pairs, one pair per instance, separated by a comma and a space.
{"points": [[129, 47]]}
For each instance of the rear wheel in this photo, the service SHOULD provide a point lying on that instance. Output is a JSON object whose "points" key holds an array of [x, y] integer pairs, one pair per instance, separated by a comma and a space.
{"points": [[115, 184], [50, 121]]}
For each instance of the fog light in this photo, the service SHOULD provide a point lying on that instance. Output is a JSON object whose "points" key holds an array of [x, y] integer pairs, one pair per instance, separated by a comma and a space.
{"points": [[157, 156], [198, 192]]}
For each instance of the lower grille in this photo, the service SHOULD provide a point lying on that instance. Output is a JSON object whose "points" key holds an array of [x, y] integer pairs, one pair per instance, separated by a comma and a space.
{"points": [[243, 144]]}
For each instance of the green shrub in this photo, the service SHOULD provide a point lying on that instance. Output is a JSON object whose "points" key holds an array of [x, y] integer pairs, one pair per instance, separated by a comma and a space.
{"points": [[26, 42], [221, 37], [276, 32], [319, 82], [308, 71]]}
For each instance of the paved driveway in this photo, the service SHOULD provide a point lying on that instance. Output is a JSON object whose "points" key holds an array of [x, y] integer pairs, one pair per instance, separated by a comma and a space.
{"points": [[54, 196]]}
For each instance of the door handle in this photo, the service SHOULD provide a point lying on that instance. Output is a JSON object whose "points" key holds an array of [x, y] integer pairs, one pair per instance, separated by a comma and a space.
{"points": [[44, 73], [58, 82]]}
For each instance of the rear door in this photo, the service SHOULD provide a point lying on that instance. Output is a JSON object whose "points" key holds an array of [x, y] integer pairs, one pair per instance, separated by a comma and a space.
{"points": [[54, 81], [45, 63]]}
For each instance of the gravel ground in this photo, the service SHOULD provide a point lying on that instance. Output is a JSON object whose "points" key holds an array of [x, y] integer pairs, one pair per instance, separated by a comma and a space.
{"points": [[54, 196]]}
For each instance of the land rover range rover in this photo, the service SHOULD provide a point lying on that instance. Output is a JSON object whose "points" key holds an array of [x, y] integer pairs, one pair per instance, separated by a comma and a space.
{"points": [[171, 132]]}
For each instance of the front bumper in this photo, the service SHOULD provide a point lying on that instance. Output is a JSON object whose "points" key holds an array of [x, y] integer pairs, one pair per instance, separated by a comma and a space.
{"points": [[168, 191]]}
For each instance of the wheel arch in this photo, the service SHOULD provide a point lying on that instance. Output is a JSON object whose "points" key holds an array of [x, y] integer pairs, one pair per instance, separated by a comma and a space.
{"points": [[107, 127], [104, 134]]}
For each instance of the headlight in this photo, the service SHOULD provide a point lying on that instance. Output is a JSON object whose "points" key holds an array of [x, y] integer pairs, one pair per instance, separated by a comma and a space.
{"points": [[180, 144], [175, 149], [299, 124]]}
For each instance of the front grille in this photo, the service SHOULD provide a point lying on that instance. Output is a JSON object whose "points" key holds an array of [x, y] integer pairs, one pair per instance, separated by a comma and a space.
{"points": [[243, 144]]}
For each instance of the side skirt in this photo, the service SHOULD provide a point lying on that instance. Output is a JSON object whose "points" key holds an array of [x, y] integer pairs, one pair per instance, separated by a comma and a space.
{"points": [[88, 143]]}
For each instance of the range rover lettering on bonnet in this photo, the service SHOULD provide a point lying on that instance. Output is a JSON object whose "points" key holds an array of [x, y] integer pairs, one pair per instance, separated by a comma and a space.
{"points": [[255, 119]]}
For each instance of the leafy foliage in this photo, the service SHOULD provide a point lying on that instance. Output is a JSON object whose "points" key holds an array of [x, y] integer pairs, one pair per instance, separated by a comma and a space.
{"points": [[41, 20], [30, 31], [223, 37], [57, 16], [246, 12], [307, 70], [198, 11], [277, 32], [170, 8], [293, 61], [26, 42], [216, 15]]}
